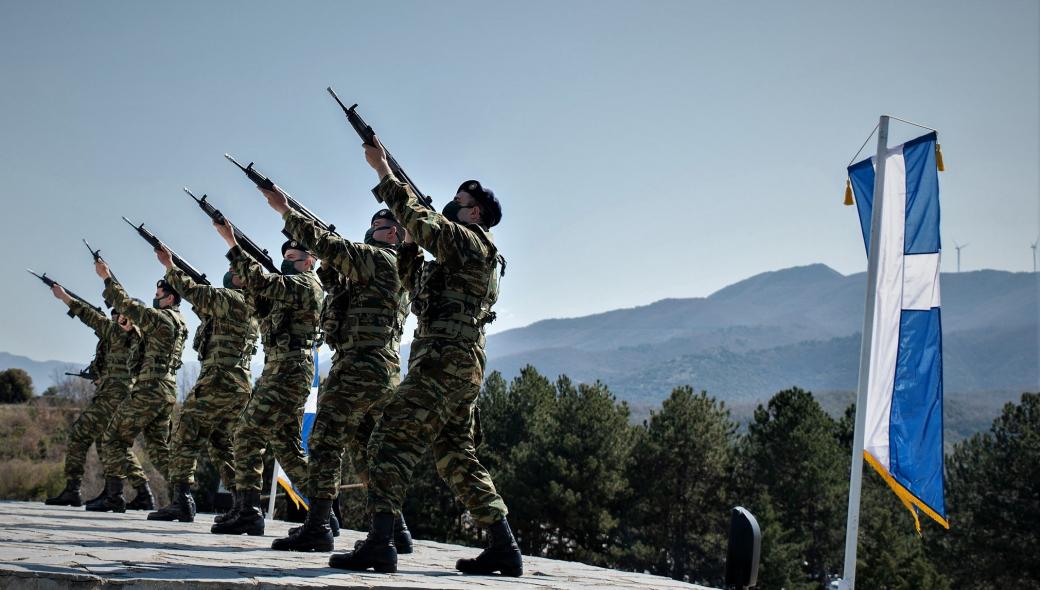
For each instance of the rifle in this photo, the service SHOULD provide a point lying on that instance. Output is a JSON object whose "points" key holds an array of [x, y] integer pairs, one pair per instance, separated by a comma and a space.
{"points": [[84, 374], [179, 262], [265, 183], [97, 258], [95, 253], [248, 246], [51, 282], [364, 130]]}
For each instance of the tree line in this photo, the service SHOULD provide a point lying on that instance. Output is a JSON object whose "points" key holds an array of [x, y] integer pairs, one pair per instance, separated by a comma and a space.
{"points": [[584, 483]]}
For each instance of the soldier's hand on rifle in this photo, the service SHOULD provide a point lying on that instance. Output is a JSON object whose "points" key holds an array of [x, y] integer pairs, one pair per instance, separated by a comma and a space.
{"points": [[408, 237], [101, 268], [164, 256], [226, 231], [276, 199], [376, 156], [60, 293]]}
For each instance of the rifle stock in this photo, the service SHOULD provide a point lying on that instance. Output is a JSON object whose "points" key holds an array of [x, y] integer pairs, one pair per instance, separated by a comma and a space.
{"points": [[179, 262], [265, 183], [51, 282], [249, 246], [84, 374], [365, 131]]}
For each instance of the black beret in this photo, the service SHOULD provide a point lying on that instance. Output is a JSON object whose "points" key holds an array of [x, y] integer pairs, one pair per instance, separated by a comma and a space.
{"points": [[293, 245], [490, 207], [385, 214], [167, 287]]}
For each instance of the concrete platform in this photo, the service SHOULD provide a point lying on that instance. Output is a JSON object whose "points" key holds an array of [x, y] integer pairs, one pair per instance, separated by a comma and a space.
{"points": [[50, 547]]}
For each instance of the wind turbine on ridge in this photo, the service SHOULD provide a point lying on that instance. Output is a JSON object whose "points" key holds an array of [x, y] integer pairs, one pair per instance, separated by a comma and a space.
{"points": [[959, 247]]}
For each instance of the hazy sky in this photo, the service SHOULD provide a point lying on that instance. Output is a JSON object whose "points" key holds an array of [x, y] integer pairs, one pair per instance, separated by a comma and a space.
{"points": [[641, 150]]}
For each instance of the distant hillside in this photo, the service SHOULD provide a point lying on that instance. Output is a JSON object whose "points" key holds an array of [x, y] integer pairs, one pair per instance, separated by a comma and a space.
{"points": [[42, 372], [794, 326]]}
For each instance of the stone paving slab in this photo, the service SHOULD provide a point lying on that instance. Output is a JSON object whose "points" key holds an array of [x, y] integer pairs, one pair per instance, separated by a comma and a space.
{"points": [[52, 547]]}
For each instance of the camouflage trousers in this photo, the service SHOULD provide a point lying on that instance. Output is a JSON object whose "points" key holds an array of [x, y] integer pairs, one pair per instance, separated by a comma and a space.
{"points": [[274, 415], [349, 403], [148, 411], [92, 422], [208, 418], [435, 405]]}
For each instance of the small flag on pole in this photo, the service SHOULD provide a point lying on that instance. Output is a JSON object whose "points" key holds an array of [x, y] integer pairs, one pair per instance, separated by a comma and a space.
{"points": [[309, 411], [903, 435]]}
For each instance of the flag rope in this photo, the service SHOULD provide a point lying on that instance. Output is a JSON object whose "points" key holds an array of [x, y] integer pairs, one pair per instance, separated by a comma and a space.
{"points": [[865, 141], [863, 146]]}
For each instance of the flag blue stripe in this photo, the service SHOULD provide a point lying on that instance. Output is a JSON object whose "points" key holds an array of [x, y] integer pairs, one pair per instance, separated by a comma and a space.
{"points": [[921, 235], [862, 177], [916, 429]]}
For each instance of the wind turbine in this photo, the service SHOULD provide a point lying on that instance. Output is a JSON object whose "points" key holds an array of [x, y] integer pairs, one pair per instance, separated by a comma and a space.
{"points": [[1033, 246], [959, 247]]}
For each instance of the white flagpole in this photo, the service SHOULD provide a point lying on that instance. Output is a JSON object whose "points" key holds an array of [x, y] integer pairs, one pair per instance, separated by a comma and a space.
{"points": [[856, 480], [274, 490]]}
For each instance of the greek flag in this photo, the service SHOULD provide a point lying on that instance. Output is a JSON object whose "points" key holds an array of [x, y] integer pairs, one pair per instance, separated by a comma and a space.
{"points": [[310, 408], [903, 437]]}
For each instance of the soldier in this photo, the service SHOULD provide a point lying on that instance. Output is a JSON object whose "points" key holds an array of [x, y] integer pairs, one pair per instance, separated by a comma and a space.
{"points": [[363, 323], [435, 403], [274, 414], [226, 342], [150, 407], [117, 340]]}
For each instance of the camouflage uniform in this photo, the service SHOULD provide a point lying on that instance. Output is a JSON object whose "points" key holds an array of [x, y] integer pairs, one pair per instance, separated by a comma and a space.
{"points": [[226, 342], [435, 405], [150, 407], [113, 365], [363, 320], [288, 316]]}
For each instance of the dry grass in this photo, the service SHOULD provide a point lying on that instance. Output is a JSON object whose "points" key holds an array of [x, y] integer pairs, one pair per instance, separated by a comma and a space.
{"points": [[33, 439]]}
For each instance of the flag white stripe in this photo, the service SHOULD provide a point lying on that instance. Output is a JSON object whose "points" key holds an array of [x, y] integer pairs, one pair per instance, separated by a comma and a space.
{"points": [[921, 284], [888, 305]]}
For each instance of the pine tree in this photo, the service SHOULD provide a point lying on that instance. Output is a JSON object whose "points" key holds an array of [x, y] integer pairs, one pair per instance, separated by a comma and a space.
{"points": [[993, 501], [680, 475], [793, 454], [514, 419]]}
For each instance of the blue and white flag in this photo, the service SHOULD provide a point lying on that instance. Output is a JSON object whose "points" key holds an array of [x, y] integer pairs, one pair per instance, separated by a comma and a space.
{"points": [[903, 438], [310, 408]]}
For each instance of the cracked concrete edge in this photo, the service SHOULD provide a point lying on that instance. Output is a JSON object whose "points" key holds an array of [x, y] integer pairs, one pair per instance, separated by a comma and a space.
{"points": [[35, 580]]}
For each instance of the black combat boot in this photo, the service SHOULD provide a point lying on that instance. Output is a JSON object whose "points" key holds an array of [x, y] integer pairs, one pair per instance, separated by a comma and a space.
{"points": [[333, 522], [113, 500], [376, 551], [402, 536], [96, 500], [143, 500], [68, 497], [249, 520], [314, 535], [501, 555], [181, 508], [236, 504]]}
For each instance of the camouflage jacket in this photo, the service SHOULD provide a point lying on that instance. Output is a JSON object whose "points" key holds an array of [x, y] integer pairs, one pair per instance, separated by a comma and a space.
{"points": [[368, 309], [227, 335], [454, 293], [119, 350], [164, 333], [290, 324]]}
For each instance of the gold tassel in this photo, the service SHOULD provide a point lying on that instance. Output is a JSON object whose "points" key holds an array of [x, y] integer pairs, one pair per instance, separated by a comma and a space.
{"points": [[848, 191], [938, 158]]}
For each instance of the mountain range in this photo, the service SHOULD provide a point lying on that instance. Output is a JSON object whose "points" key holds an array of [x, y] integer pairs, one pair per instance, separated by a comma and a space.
{"points": [[797, 326]]}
